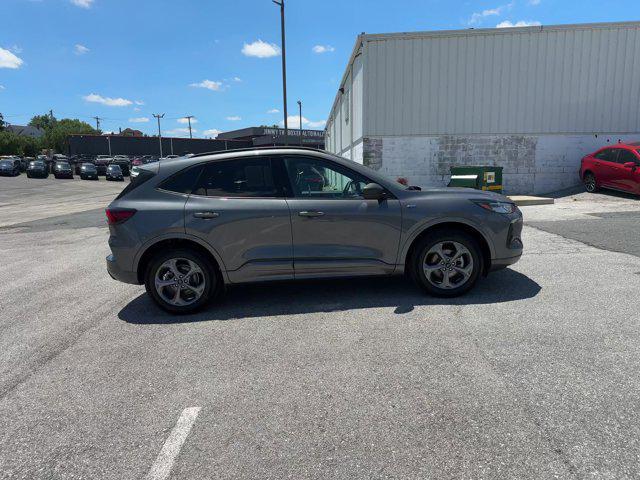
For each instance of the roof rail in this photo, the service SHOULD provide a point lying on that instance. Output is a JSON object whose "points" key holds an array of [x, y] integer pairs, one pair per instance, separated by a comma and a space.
{"points": [[251, 149]]}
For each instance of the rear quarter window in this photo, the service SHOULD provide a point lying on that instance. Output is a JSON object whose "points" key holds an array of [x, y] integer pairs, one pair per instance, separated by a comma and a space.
{"points": [[185, 181]]}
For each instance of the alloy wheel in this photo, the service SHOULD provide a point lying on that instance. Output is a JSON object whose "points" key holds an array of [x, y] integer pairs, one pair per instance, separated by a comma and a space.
{"points": [[180, 282], [448, 265]]}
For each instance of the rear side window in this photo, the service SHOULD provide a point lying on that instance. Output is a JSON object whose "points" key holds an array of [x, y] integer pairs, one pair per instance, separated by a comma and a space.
{"points": [[608, 155], [246, 177], [184, 181]]}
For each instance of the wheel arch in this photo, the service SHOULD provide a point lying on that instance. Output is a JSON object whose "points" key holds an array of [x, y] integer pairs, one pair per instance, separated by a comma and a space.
{"points": [[148, 251], [485, 246]]}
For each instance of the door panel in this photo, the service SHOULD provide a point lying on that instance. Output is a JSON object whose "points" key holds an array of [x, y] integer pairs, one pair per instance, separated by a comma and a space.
{"points": [[335, 230], [237, 210], [606, 166], [252, 235], [626, 178]]}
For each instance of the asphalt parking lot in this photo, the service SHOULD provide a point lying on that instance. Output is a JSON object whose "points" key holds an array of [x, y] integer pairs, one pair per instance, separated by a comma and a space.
{"points": [[532, 375]]}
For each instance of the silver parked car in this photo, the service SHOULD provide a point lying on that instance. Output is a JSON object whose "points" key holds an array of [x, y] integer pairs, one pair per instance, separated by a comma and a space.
{"points": [[187, 227]]}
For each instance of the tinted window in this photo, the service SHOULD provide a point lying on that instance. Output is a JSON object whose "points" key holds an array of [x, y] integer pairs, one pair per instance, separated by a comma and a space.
{"points": [[184, 181], [251, 177], [315, 178], [608, 154], [627, 156]]}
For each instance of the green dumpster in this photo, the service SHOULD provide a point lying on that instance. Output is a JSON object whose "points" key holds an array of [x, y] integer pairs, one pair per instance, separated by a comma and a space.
{"points": [[480, 178]]}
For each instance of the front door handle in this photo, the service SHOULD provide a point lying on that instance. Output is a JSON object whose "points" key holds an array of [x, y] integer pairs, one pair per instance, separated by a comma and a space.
{"points": [[306, 213], [206, 215]]}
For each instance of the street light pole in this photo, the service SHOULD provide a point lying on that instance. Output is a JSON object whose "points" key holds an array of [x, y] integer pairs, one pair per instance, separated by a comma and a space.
{"points": [[300, 109], [158, 116], [189, 117], [284, 70]]}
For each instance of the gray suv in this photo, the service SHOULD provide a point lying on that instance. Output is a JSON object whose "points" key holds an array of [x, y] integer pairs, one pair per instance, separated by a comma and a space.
{"points": [[188, 227]]}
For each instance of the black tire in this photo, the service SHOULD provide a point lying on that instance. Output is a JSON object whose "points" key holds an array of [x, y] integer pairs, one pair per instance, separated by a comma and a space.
{"points": [[590, 183], [212, 286], [426, 244], [28, 175]]}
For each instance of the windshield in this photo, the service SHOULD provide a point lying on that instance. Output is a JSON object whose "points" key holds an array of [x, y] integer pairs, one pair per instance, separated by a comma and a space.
{"points": [[63, 165], [114, 167], [6, 162], [88, 167]]}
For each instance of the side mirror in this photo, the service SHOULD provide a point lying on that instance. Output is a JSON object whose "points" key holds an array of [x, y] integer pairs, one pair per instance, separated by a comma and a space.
{"points": [[373, 191], [630, 165]]}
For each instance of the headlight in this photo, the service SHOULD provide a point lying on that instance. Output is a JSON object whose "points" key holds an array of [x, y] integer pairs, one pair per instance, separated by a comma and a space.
{"points": [[498, 207]]}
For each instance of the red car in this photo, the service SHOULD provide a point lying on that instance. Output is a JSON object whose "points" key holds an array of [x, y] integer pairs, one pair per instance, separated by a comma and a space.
{"points": [[616, 167]]}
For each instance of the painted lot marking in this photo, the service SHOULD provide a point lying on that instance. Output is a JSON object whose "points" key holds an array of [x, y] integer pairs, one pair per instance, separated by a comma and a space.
{"points": [[161, 468]]}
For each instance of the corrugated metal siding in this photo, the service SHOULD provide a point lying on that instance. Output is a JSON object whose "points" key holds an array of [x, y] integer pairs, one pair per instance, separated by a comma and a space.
{"points": [[581, 80]]}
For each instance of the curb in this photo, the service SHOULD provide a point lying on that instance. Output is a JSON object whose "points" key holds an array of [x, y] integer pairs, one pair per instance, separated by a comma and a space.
{"points": [[526, 200]]}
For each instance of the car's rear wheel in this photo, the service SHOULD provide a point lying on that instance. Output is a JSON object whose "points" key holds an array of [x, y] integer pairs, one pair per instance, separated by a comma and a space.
{"points": [[590, 183], [181, 281], [447, 264]]}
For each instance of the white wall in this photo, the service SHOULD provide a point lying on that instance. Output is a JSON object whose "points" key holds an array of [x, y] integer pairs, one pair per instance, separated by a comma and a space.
{"points": [[532, 164]]}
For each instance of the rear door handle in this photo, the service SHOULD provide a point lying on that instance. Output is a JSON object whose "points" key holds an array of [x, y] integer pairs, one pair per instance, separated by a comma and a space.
{"points": [[206, 215], [306, 213]]}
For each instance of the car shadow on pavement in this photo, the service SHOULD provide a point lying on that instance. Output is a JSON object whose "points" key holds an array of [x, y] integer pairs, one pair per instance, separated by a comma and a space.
{"points": [[334, 295]]}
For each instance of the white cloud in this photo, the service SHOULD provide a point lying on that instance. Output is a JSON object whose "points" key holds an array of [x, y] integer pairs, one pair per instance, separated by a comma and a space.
{"points": [[234, 118], [82, 3], [184, 121], [136, 109], [274, 110], [213, 132], [80, 49], [477, 17], [294, 122], [534, 2], [521, 23], [323, 49], [2, 87], [180, 131], [237, 79], [109, 102], [261, 49], [9, 60], [138, 102], [139, 120], [208, 84]]}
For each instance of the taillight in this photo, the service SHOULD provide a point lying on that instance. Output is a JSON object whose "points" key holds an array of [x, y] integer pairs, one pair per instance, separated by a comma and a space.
{"points": [[120, 215]]}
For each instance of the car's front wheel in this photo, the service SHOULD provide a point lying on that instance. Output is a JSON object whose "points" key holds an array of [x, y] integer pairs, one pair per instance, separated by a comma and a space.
{"points": [[182, 281], [447, 264]]}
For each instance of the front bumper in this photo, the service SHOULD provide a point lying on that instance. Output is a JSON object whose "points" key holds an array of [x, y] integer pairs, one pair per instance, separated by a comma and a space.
{"points": [[119, 274]]}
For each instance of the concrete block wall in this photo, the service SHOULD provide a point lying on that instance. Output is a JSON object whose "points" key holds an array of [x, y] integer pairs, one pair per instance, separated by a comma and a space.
{"points": [[532, 164]]}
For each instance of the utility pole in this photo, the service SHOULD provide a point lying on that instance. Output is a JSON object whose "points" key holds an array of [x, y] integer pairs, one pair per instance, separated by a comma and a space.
{"points": [[158, 116], [51, 115], [284, 70], [97, 122], [189, 117], [300, 109]]}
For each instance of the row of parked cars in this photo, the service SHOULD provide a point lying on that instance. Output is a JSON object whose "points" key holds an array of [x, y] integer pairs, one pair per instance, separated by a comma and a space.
{"points": [[87, 167]]}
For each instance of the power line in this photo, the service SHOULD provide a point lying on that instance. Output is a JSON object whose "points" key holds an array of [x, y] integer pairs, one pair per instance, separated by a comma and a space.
{"points": [[97, 119]]}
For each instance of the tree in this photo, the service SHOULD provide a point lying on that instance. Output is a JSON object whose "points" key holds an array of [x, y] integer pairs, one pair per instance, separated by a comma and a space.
{"points": [[44, 122], [55, 137], [1, 122], [12, 144]]}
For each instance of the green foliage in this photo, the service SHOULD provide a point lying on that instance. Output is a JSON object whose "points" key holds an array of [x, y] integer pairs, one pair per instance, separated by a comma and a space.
{"points": [[12, 144], [44, 122], [55, 137]]}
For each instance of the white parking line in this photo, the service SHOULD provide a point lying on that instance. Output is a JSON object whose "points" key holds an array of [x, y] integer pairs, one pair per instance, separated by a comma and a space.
{"points": [[171, 448]]}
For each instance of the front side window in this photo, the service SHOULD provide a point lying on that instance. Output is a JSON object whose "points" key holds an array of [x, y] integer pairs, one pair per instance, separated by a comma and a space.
{"points": [[245, 177], [315, 178]]}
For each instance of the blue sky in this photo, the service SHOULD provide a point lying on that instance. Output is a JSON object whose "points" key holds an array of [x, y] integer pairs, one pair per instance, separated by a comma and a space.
{"points": [[124, 60]]}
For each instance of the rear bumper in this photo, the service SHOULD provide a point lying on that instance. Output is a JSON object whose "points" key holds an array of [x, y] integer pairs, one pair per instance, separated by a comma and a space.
{"points": [[119, 274]]}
